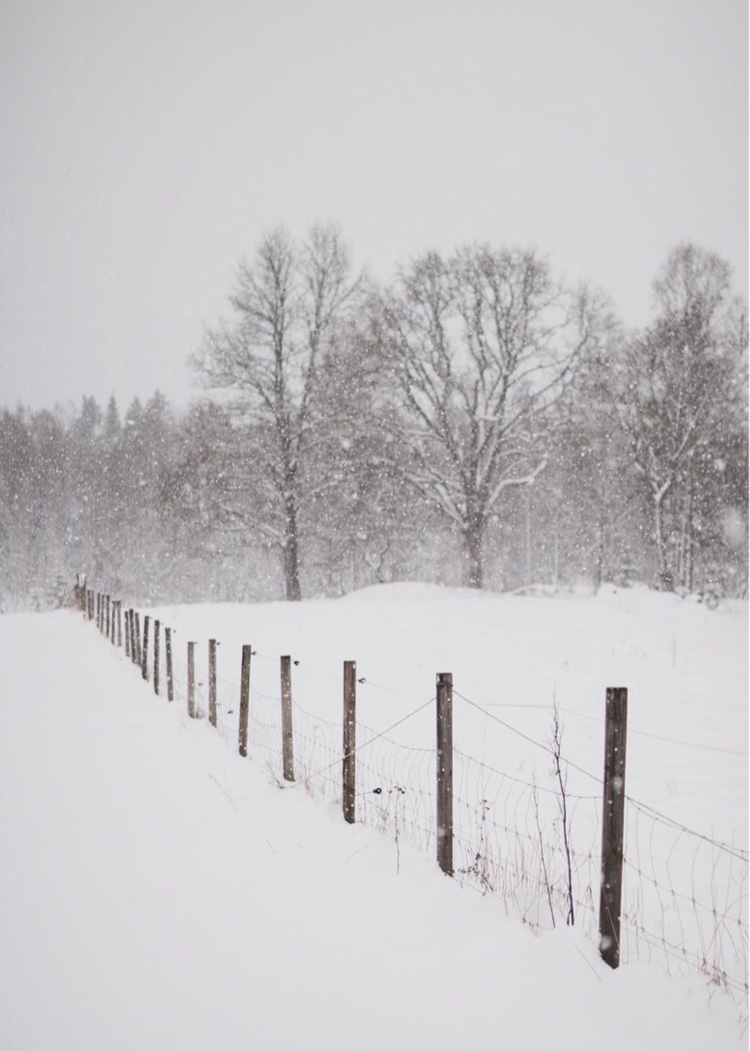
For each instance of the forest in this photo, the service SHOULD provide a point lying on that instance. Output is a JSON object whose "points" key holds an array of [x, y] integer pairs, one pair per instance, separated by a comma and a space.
{"points": [[478, 421]]}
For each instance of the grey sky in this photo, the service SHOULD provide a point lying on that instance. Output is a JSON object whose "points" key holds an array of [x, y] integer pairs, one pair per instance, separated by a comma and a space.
{"points": [[145, 146]]}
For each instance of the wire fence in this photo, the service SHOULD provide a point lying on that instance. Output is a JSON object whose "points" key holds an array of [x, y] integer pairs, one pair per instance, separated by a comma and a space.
{"points": [[537, 847]]}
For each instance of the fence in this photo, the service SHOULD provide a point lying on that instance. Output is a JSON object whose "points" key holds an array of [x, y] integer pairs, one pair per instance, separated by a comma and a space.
{"points": [[649, 887]]}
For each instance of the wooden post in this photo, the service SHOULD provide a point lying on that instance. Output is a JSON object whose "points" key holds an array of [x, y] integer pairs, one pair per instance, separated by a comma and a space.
{"points": [[613, 824], [144, 650], [156, 656], [350, 734], [287, 739], [106, 616], [445, 772], [119, 622], [127, 632], [133, 646], [99, 611], [212, 681], [244, 697], [168, 655], [191, 679], [137, 637]]}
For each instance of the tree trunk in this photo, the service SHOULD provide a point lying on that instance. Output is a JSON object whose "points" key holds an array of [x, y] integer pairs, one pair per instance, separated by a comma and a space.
{"points": [[686, 538], [666, 580], [473, 556], [291, 555], [600, 545]]}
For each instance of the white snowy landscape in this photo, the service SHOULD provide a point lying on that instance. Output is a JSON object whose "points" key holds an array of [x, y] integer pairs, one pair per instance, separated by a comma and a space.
{"points": [[159, 891], [374, 525]]}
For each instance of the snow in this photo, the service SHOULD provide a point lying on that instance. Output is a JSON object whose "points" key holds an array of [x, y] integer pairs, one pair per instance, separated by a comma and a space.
{"points": [[161, 892]]}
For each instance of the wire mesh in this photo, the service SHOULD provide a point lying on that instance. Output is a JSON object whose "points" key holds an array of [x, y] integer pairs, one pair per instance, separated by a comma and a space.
{"points": [[685, 895]]}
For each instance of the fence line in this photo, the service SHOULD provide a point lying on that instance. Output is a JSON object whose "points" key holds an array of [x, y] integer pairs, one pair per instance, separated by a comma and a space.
{"points": [[684, 894]]}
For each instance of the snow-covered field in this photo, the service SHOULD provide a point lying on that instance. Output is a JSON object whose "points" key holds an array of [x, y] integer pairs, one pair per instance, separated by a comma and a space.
{"points": [[159, 891]]}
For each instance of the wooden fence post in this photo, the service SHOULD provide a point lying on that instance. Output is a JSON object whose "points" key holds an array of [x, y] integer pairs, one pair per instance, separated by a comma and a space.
{"points": [[287, 739], [137, 637], [99, 611], [168, 655], [127, 632], [133, 645], [156, 656], [119, 622], [350, 741], [144, 650], [445, 772], [191, 679], [212, 681], [106, 616], [244, 697], [613, 824]]}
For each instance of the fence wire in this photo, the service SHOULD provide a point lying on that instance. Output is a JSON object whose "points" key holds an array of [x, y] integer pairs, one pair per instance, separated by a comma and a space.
{"points": [[685, 895]]}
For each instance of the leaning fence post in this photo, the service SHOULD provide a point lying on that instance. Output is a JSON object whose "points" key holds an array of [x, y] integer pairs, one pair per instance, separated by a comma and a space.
{"points": [[133, 644], [156, 656], [287, 740], [613, 824], [445, 772], [350, 733], [244, 697], [168, 655], [119, 622], [144, 651], [99, 610], [191, 679], [212, 681], [107, 604], [127, 632]]}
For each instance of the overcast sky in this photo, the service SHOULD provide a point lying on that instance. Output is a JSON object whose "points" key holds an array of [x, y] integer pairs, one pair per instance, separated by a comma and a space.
{"points": [[146, 145]]}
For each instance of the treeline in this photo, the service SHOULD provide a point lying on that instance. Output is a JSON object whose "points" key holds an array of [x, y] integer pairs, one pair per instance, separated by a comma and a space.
{"points": [[478, 421]]}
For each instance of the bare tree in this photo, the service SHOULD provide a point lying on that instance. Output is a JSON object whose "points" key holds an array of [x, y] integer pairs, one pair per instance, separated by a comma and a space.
{"points": [[679, 391], [480, 345], [287, 303]]}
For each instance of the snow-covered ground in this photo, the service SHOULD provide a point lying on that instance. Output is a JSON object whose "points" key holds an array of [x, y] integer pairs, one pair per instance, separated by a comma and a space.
{"points": [[511, 656], [160, 892]]}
